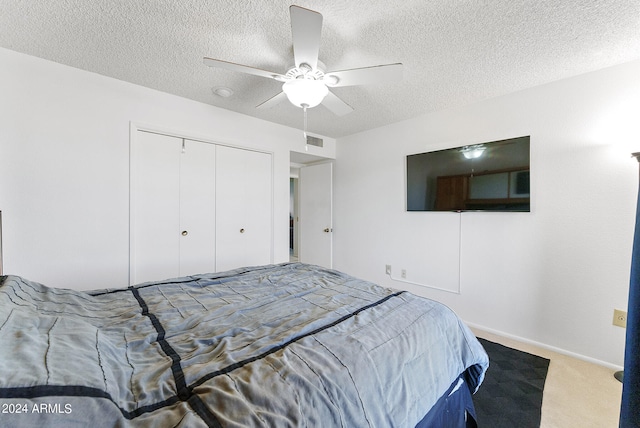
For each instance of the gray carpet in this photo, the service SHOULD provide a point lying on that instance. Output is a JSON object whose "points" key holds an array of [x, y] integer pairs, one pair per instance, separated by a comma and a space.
{"points": [[511, 394]]}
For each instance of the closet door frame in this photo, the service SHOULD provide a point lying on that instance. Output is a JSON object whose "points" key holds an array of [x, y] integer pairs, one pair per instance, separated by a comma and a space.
{"points": [[134, 127]]}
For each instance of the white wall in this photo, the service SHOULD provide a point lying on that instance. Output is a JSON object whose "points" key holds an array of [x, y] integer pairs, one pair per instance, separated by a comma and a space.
{"points": [[551, 276], [64, 167]]}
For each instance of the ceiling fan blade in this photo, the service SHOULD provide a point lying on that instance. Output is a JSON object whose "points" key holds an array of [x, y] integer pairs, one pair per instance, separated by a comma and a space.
{"points": [[336, 105], [243, 69], [364, 76], [271, 102], [306, 27]]}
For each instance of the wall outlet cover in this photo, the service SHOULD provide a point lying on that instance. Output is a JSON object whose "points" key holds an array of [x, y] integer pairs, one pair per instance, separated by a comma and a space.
{"points": [[620, 318]]}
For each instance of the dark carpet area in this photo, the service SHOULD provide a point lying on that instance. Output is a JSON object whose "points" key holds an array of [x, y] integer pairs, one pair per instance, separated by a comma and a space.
{"points": [[511, 394]]}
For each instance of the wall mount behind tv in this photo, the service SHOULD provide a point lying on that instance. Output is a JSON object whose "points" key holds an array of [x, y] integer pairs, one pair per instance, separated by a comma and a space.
{"points": [[491, 176]]}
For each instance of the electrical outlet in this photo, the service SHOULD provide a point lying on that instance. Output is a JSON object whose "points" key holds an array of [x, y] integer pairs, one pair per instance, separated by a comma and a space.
{"points": [[403, 274], [620, 318], [388, 269]]}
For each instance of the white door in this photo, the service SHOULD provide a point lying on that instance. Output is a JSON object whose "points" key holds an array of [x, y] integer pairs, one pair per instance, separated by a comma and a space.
{"points": [[155, 214], [197, 208], [243, 208], [172, 207], [315, 217]]}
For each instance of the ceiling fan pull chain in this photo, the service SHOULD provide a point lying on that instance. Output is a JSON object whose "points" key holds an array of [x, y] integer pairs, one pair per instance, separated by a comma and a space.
{"points": [[306, 145]]}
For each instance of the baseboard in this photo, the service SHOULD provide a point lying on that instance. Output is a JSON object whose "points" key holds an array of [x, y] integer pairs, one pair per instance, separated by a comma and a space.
{"points": [[614, 367]]}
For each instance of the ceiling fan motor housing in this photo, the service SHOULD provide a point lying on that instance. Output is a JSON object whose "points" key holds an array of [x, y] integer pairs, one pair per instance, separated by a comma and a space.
{"points": [[304, 71]]}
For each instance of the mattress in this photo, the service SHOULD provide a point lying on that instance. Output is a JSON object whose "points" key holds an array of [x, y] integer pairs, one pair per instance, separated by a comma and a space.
{"points": [[278, 345]]}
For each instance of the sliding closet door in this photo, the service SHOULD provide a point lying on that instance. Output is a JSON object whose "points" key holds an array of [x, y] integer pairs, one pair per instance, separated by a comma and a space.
{"points": [[155, 209], [243, 208], [197, 208], [172, 207]]}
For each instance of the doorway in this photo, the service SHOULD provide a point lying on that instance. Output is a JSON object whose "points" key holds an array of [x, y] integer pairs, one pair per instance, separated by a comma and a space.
{"points": [[310, 212], [293, 216]]}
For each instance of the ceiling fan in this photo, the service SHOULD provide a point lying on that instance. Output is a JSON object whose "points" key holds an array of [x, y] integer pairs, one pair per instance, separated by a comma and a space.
{"points": [[306, 84]]}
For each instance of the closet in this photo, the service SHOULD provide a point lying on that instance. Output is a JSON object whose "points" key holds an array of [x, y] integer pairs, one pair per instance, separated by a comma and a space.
{"points": [[197, 207]]}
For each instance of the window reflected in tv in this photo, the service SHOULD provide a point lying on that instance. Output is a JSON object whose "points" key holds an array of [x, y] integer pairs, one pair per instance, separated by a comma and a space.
{"points": [[492, 176]]}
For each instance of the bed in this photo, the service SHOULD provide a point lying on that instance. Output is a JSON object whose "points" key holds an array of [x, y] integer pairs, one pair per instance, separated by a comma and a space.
{"points": [[275, 346]]}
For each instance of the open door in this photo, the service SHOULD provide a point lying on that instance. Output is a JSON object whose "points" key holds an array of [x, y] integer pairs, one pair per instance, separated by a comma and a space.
{"points": [[315, 215]]}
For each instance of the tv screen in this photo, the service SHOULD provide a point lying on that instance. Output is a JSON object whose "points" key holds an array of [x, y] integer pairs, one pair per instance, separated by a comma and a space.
{"points": [[492, 176]]}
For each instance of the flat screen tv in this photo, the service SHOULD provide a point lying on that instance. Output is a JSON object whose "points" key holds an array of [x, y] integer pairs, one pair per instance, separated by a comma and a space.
{"points": [[492, 176]]}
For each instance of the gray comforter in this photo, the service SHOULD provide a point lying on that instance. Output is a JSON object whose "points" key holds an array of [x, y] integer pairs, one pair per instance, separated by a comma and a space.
{"points": [[280, 345]]}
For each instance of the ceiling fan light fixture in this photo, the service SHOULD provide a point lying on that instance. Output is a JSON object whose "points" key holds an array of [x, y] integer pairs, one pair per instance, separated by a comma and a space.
{"points": [[305, 92], [473, 152]]}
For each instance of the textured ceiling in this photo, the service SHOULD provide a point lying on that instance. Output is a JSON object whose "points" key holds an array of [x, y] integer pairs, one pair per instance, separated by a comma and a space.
{"points": [[454, 51]]}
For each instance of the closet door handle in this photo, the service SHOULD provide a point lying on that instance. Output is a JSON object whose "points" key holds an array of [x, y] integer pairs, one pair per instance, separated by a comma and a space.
{"points": [[185, 233], [241, 230]]}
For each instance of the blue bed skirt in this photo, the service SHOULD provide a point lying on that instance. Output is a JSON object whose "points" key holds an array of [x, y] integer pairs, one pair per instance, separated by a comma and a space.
{"points": [[453, 410]]}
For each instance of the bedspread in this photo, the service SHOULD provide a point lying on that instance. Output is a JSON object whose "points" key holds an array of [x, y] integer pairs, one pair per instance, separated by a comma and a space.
{"points": [[278, 345]]}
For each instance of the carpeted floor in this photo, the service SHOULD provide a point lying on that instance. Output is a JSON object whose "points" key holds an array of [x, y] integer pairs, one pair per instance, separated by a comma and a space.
{"points": [[511, 394]]}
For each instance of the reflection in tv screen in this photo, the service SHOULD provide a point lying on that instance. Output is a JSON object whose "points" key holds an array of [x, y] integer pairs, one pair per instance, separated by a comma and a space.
{"points": [[492, 176]]}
